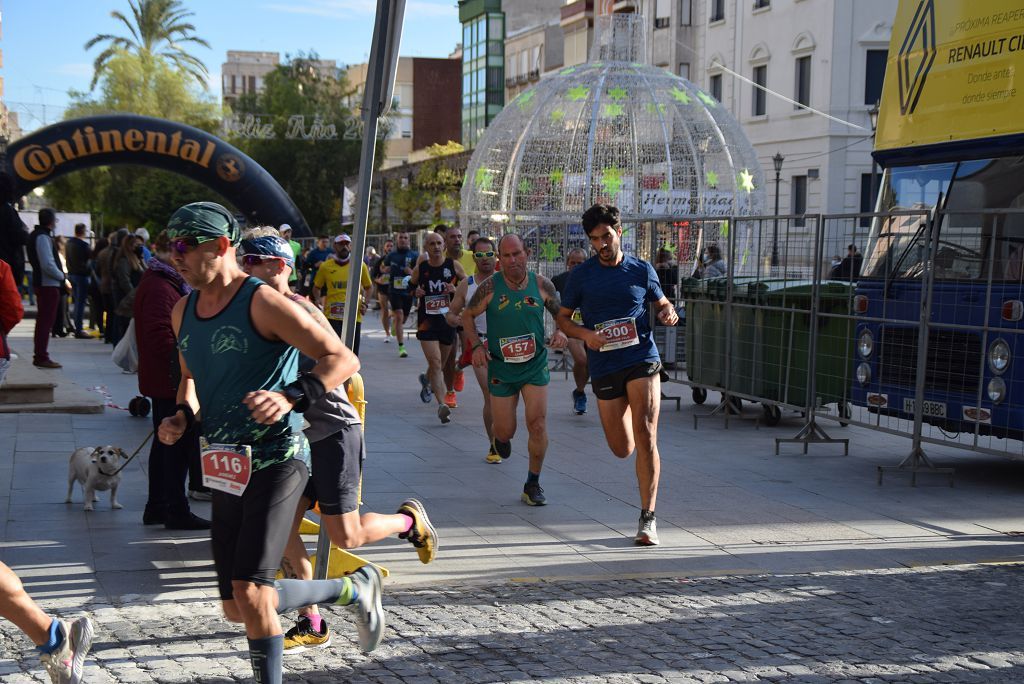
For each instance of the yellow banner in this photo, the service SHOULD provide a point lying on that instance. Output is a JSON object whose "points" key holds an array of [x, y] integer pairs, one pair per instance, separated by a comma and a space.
{"points": [[951, 73]]}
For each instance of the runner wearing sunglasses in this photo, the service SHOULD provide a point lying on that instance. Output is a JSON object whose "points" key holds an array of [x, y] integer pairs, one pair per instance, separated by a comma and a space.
{"points": [[239, 344]]}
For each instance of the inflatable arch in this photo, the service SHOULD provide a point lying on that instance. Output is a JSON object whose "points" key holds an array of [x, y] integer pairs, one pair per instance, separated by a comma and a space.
{"points": [[113, 139]]}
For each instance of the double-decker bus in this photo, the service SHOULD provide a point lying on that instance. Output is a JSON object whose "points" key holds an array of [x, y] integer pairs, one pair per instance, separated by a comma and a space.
{"points": [[950, 140]]}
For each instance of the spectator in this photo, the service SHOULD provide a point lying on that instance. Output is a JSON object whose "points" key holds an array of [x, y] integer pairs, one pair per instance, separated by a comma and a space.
{"points": [[668, 273], [286, 232], [96, 311], [13, 234], [76, 254], [714, 264], [11, 313], [126, 272], [47, 281], [143, 236], [160, 287], [62, 322], [317, 256], [105, 267], [849, 268]]}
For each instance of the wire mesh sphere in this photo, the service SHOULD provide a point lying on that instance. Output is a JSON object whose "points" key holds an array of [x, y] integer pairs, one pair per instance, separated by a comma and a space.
{"points": [[617, 131]]}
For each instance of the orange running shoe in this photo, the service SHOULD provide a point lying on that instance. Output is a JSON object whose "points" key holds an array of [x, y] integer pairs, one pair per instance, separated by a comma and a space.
{"points": [[459, 381], [450, 400]]}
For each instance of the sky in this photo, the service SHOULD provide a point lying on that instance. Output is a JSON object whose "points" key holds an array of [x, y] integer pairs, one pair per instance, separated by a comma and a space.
{"points": [[43, 55]]}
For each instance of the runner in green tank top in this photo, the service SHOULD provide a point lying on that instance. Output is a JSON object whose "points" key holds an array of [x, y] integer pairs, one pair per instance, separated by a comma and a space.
{"points": [[516, 360]]}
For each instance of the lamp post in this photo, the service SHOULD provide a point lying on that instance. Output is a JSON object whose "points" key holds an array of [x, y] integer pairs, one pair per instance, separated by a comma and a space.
{"points": [[777, 160], [872, 193]]}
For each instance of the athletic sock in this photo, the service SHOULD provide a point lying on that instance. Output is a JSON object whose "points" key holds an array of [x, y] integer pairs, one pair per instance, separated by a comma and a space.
{"points": [[409, 522], [532, 478], [504, 449], [646, 514], [265, 655], [54, 640], [316, 622], [294, 594]]}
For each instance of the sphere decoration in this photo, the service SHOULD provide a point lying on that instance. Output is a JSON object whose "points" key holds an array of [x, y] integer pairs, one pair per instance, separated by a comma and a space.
{"points": [[617, 131]]}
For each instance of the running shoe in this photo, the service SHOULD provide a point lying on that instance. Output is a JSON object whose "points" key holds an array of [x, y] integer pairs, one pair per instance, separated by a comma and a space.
{"points": [[401, 351], [503, 449], [647, 532], [67, 662], [451, 400], [369, 612], [492, 455], [387, 340], [533, 495], [425, 392], [460, 381], [444, 413], [302, 637], [422, 534], [579, 402]]}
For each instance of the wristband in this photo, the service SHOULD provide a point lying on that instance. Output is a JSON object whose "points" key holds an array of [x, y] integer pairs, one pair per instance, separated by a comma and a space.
{"points": [[190, 416], [305, 391]]}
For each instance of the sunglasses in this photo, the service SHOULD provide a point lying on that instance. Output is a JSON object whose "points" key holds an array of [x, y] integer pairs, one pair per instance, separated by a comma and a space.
{"points": [[258, 259], [483, 255], [184, 245]]}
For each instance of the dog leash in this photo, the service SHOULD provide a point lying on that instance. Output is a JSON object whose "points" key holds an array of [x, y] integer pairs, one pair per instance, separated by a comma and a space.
{"points": [[134, 454]]}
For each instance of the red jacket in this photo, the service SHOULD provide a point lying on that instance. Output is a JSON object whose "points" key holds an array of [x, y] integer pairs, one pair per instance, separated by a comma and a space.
{"points": [[155, 297], [11, 310]]}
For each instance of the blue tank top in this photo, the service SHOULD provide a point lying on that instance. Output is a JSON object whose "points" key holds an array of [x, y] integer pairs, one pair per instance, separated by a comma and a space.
{"points": [[228, 359]]}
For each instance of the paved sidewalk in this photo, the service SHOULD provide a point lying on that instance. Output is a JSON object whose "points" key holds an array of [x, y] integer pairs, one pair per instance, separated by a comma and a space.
{"points": [[729, 510]]}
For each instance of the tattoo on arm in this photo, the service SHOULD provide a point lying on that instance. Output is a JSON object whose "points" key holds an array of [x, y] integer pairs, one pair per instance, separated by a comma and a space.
{"points": [[552, 302], [478, 301]]}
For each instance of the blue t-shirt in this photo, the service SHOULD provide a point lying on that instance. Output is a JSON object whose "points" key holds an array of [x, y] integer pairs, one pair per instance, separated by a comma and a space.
{"points": [[399, 260], [607, 293]]}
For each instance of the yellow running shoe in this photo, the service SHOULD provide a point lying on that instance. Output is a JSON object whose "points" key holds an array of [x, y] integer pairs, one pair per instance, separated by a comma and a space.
{"points": [[302, 637], [492, 455], [422, 534]]}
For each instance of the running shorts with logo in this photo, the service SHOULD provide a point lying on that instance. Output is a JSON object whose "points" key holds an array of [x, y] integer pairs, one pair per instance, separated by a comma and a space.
{"points": [[432, 326], [515, 338], [337, 467]]}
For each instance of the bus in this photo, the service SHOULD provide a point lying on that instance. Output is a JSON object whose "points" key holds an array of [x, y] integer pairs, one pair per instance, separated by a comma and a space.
{"points": [[950, 211]]}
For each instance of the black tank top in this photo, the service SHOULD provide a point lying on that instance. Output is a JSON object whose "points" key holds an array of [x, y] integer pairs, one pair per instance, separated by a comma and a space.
{"points": [[433, 279]]}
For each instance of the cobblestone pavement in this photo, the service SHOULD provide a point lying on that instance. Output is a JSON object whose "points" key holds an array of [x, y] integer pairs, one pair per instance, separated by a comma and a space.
{"points": [[932, 624]]}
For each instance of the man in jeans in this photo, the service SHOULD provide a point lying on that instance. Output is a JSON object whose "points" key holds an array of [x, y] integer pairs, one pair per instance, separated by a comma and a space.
{"points": [[47, 281], [76, 252]]}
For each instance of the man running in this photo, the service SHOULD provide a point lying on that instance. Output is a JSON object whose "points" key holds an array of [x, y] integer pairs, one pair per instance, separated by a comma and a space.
{"points": [[337, 449], [330, 287], [398, 265], [612, 291], [435, 280], [464, 257], [382, 281], [517, 362], [580, 373], [239, 345], [485, 257]]}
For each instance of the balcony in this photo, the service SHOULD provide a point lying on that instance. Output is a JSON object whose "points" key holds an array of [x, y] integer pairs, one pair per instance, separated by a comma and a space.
{"points": [[520, 78], [577, 10], [510, 81], [533, 75]]}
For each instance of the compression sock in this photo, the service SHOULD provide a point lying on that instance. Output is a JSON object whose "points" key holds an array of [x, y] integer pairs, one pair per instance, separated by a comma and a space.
{"points": [[532, 478], [265, 655], [54, 639], [504, 449], [316, 622], [409, 520], [294, 594]]}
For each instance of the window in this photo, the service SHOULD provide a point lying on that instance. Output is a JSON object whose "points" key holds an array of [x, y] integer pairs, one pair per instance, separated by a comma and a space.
{"points": [[234, 85], [874, 73], [685, 12], [510, 61], [802, 87], [798, 202], [761, 4], [684, 70], [662, 12], [715, 86], [760, 82], [868, 195], [535, 59], [252, 84], [524, 63], [717, 10]]}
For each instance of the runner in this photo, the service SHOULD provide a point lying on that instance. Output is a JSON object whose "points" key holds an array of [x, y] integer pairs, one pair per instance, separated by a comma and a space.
{"points": [[382, 281], [612, 290], [330, 287], [580, 374], [435, 280], [62, 647], [399, 266], [239, 343], [484, 256], [517, 362], [336, 444]]}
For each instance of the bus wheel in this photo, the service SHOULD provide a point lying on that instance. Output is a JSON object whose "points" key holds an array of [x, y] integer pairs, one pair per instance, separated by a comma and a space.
{"points": [[700, 395]]}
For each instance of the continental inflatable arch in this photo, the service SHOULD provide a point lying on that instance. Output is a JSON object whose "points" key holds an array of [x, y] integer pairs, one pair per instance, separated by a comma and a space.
{"points": [[112, 139]]}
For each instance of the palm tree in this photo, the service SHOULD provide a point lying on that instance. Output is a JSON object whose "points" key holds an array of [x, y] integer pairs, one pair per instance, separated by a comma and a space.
{"points": [[158, 29]]}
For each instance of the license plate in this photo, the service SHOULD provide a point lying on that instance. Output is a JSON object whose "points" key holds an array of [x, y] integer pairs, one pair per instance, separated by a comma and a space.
{"points": [[932, 409]]}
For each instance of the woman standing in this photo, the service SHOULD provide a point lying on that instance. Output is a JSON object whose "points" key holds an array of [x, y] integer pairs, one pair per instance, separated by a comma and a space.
{"points": [[126, 272]]}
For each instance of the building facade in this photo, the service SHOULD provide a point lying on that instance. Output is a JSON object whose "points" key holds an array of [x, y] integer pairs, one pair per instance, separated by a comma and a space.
{"points": [[529, 54], [245, 71]]}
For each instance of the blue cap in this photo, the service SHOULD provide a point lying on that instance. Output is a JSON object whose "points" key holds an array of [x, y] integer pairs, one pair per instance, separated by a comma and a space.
{"points": [[269, 245]]}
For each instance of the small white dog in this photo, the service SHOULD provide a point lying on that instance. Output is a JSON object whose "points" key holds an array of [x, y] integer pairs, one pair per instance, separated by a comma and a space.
{"points": [[94, 467]]}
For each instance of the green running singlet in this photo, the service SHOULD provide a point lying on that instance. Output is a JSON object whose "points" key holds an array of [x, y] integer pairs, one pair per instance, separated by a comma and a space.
{"points": [[515, 338], [228, 359]]}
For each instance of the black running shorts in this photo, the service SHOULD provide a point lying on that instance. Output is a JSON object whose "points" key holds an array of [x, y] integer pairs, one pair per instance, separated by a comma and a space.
{"points": [[400, 302], [249, 532], [337, 465], [613, 385]]}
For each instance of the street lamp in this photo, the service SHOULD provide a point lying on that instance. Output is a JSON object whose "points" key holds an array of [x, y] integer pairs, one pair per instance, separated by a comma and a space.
{"points": [[873, 193], [777, 160]]}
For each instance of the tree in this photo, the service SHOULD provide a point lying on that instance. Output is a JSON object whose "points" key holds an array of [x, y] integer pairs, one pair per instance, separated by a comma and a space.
{"points": [[159, 29], [439, 181]]}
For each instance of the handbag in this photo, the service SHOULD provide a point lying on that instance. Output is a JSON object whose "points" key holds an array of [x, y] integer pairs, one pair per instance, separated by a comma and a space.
{"points": [[126, 354]]}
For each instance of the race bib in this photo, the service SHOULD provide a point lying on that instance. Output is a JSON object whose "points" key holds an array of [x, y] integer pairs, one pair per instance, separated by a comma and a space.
{"points": [[399, 283], [518, 349], [436, 305], [336, 311], [577, 317], [226, 467], [620, 332]]}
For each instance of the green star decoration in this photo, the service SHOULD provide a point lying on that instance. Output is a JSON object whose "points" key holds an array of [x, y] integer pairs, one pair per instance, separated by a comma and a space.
{"points": [[655, 108], [549, 250], [578, 93], [557, 115], [711, 178], [611, 181], [681, 95], [617, 94], [556, 176], [669, 247], [525, 99], [724, 230], [524, 187], [663, 185], [746, 180], [483, 179], [611, 109], [707, 99]]}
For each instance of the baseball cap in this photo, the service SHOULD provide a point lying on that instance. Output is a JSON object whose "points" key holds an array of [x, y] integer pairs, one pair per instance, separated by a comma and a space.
{"points": [[284, 227], [343, 238], [269, 245], [204, 220], [142, 233]]}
